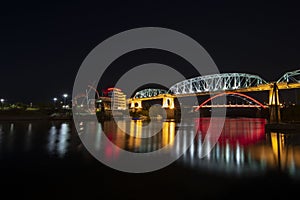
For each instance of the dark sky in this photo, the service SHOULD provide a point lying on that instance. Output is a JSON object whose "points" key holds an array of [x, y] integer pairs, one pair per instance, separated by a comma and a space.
{"points": [[43, 45]]}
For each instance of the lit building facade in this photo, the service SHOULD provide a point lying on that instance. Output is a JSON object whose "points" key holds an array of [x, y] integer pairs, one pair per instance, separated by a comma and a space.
{"points": [[118, 98]]}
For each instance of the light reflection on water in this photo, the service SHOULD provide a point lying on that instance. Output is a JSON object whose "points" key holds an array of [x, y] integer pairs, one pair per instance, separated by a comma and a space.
{"points": [[233, 151], [28, 139], [130, 140], [58, 140], [1, 133], [243, 147]]}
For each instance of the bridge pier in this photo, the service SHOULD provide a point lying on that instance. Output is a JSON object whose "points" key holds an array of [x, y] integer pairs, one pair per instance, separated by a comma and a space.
{"points": [[168, 102], [170, 113], [137, 104], [168, 105], [274, 105]]}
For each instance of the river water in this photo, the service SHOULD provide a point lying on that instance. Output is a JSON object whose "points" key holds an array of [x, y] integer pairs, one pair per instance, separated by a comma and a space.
{"points": [[46, 159]]}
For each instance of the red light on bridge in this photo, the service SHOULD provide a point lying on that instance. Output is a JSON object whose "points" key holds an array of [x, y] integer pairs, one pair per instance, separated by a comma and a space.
{"points": [[230, 93]]}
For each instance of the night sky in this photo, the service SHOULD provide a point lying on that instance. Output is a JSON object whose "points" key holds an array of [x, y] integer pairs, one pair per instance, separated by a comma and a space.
{"points": [[43, 45]]}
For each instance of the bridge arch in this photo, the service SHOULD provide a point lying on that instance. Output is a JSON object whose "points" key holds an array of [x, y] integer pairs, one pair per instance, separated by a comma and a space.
{"points": [[230, 93], [216, 82], [149, 92], [290, 77]]}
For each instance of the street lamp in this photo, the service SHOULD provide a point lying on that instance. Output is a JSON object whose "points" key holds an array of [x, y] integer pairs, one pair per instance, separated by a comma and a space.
{"points": [[2, 101], [55, 100], [65, 97]]}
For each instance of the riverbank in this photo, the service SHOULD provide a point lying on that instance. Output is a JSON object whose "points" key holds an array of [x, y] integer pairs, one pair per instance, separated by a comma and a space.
{"points": [[34, 115]]}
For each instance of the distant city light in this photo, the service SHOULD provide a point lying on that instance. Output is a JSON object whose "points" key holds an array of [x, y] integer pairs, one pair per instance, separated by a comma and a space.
{"points": [[65, 95], [2, 100], [54, 99]]}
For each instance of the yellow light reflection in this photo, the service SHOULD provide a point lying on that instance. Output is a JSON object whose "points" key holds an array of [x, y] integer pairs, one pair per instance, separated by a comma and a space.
{"points": [[277, 141], [168, 133], [172, 132], [132, 134], [139, 127], [165, 134]]}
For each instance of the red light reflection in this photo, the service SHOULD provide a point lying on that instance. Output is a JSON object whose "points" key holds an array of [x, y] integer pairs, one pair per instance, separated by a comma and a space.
{"points": [[242, 131]]}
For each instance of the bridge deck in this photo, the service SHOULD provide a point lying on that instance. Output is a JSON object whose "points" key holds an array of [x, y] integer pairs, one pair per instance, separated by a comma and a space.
{"points": [[262, 87]]}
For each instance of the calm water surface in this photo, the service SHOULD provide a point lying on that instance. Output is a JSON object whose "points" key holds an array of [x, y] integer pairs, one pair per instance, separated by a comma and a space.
{"points": [[47, 158]]}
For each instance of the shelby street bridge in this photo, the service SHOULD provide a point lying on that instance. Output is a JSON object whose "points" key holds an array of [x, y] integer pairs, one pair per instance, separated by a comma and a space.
{"points": [[217, 85]]}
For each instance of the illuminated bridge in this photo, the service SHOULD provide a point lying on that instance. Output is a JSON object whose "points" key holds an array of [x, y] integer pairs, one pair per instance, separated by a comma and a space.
{"points": [[216, 82], [221, 84]]}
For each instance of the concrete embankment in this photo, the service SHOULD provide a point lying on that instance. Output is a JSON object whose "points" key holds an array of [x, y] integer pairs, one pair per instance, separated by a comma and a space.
{"points": [[32, 115]]}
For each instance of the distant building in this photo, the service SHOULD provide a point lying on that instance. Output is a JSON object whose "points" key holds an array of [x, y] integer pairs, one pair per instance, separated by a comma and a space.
{"points": [[103, 104], [118, 98]]}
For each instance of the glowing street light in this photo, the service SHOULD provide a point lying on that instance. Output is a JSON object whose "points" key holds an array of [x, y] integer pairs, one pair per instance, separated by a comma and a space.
{"points": [[65, 97], [55, 100], [2, 102]]}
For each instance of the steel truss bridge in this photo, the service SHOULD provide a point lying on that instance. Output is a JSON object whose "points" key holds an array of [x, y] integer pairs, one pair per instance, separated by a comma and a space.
{"points": [[214, 84], [150, 92]]}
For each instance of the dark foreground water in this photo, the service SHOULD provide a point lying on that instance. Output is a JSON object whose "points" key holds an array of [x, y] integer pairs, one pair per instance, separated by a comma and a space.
{"points": [[47, 160]]}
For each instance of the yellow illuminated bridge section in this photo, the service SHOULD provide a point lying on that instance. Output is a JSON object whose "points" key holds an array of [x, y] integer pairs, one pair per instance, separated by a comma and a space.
{"points": [[220, 83]]}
